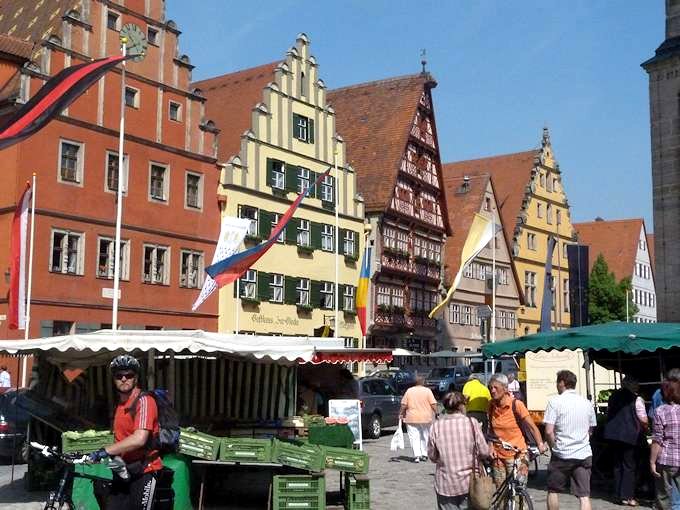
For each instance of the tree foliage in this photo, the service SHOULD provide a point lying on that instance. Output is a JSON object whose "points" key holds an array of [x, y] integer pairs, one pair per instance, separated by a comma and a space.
{"points": [[607, 297]]}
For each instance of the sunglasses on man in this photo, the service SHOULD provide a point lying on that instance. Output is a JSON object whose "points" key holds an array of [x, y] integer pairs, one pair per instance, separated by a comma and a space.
{"points": [[124, 375]]}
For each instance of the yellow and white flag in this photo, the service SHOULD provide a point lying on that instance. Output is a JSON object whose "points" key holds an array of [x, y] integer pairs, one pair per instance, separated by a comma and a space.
{"points": [[481, 232]]}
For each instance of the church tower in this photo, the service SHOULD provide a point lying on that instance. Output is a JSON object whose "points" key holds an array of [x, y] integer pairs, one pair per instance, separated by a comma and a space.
{"points": [[664, 105]]}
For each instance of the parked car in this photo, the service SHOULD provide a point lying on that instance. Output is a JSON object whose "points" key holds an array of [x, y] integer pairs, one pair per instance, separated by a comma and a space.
{"points": [[443, 380], [401, 379], [13, 424], [380, 405]]}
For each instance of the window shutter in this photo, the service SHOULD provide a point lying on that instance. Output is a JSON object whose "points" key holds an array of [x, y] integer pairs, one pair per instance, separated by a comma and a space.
{"points": [[265, 224], [263, 280], [296, 132], [291, 178], [341, 296], [354, 302], [316, 235], [270, 172], [289, 293], [310, 131], [315, 297], [341, 235], [291, 231], [316, 192], [356, 245]]}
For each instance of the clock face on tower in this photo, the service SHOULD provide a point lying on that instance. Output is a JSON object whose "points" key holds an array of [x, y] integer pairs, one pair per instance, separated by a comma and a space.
{"points": [[135, 40]]}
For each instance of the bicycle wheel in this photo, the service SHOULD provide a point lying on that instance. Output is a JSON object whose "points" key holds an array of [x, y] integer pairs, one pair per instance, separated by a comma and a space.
{"points": [[523, 500], [51, 504]]}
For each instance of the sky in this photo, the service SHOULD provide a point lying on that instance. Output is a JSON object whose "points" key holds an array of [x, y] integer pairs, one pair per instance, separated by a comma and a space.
{"points": [[504, 71]]}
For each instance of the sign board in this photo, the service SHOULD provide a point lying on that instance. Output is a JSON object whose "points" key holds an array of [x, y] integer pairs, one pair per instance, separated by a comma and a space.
{"points": [[108, 293], [351, 409]]}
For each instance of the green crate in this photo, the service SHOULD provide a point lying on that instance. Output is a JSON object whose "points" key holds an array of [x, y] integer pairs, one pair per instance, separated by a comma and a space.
{"points": [[344, 459], [239, 449], [313, 420], [298, 455], [299, 485], [72, 442], [198, 444], [357, 494]]}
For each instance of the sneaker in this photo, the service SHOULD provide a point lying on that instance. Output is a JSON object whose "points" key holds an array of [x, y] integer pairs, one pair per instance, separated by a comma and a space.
{"points": [[416, 460], [424, 458]]}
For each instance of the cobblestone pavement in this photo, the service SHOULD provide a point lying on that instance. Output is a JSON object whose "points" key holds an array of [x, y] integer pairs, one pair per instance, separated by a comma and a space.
{"points": [[396, 484]]}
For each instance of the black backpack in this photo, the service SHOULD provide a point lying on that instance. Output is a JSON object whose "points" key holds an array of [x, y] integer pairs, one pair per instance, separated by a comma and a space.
{"points": [[167, 440]]}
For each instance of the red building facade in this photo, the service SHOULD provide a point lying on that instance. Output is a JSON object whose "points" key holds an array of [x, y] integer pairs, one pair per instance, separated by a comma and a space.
{"points": [[170, 211]]}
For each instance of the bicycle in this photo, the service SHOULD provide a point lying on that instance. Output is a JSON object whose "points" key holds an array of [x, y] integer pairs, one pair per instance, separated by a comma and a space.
{"points": [[61, 498], [512, 494]]}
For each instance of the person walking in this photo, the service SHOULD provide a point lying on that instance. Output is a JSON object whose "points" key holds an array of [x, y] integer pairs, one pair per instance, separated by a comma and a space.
{"points": [[135, 423], [454, 440], [418, 409], [569, 422], [477, 400], [507, 417], [514, 386], [626, 420], [5, 380], [664, 461]]}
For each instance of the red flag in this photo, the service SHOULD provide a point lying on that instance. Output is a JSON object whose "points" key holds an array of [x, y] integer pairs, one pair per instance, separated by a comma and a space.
{"points": [[18, 243]]}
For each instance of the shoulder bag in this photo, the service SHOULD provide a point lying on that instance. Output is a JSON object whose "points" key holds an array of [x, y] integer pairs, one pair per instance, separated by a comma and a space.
{"points": [[482, 487]]}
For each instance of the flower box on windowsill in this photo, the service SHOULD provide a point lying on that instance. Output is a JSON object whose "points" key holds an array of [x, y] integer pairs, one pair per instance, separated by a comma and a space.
{"points": [[304, 308], [394, 252], [279, 192], [350, 312], [350, 259], [250, 301], [252, 239], [328, 205], [305, 249]]}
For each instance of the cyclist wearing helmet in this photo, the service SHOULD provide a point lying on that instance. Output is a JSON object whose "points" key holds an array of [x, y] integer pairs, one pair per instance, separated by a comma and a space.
{"points": [[135, 422]]}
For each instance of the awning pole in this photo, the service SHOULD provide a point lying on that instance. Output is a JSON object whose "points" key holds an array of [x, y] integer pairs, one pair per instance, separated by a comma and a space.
{"points": [[586, 362]]}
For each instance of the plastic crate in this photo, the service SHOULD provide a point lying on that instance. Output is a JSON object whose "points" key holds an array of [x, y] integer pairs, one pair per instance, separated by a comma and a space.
{"points": [[298, 455], [344, 459], [297, 485], [238, 449], [313, 420], [72, 442], [299, 491], [198, 444], [357, 494]]}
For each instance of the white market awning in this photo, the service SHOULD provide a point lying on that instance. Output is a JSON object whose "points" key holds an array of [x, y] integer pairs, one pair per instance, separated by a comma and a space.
{"points": [[83, 350]]}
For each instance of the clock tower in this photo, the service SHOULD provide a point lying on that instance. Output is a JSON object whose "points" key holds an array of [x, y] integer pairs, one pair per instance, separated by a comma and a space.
{"points": [[664, 105]]}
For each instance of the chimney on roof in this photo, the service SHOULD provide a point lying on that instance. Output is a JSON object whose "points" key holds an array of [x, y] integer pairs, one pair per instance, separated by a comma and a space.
{"points": [[599, 218], [465, 187]]}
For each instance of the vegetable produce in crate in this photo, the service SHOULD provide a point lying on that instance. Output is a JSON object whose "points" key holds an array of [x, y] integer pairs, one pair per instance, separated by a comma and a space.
{"points": [[86, 441]]}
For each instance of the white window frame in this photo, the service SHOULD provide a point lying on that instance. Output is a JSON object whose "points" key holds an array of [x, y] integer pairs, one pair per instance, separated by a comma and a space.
{"points": [[153, 40], [348, 298], [530, 288], [327, 189], [327, 237], [126, 171], [178, 118], [278, 175], [80, 162], [118, 22], [539, 210], [108, 274], [302, 292], [301, 129], [136, 99], [276, 217], [327, 295], [304, 233], [195, 265], [166, 183], [153, 278], [549, 214], [253, 228], [303, 179], [454, 313], [276, 288], [531, 241], [64, 265], [248, 285], [511, 320], [348, 243], [199, 191], [466, 316], [565, 295]]}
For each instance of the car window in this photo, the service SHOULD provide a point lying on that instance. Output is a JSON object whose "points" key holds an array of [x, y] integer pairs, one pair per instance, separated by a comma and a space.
{"points": [[366, 388], [388, 389]]}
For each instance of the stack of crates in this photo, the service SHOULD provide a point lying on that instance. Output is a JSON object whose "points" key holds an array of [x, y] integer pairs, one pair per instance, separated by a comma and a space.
{"points": [[357, 494], [238, 449], [298, 491], [345, 459], [298, 455], [199, 445]]}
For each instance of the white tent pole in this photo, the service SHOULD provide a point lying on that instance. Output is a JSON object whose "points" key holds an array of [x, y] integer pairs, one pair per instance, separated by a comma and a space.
{"points": [[24, 360], [119, 193], [492, 333], [238, 303]]}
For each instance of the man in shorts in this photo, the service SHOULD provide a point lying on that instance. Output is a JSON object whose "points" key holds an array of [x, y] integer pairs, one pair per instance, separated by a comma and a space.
{"points": [[569, 421]]}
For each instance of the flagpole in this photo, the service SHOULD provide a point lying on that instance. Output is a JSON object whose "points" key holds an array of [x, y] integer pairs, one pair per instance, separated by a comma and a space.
{"points": [[336, 324], [24, 360], [119, 193], [492, 333], [238, 303]]}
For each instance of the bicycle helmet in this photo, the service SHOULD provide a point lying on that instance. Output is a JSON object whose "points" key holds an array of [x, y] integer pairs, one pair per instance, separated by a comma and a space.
{"points": [[124, 362]]}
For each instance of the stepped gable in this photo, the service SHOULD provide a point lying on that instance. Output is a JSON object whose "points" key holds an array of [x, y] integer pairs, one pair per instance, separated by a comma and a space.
{"points": [[230, 101], [375, 119]]}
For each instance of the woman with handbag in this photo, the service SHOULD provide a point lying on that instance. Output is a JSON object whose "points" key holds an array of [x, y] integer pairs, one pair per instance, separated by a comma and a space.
{"points": [[456, 444]]}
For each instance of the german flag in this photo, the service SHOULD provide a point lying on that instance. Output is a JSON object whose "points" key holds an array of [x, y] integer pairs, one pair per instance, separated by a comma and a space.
{"points": [[56, 95]]}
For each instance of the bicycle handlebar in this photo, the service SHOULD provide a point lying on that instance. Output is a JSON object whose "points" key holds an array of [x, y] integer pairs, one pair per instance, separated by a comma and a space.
{"points": [[531, 450], [115, 464]]}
